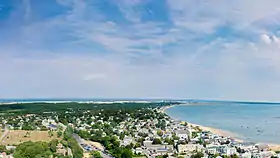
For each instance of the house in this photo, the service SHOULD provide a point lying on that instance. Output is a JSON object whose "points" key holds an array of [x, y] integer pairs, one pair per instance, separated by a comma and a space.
{"points": [[46, 122], [262, 147], [3, 155], [52, 127], [229, 151], [126, 141], [184, 148], [246, 155], [60, 149], [9, 147], [61, 152], [147, 143], [183, 134], [157, 150], [167, 134], [212, 150], [222, 149], [138, 151], [263, 154]]}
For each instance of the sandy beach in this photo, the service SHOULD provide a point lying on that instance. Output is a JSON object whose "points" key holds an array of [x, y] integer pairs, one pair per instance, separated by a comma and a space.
{"points": [[273, 147], [218, 132], [211, 129]]}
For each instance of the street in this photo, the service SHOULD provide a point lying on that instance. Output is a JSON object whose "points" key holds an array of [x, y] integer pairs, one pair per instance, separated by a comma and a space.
{"points": [[81, 141]]}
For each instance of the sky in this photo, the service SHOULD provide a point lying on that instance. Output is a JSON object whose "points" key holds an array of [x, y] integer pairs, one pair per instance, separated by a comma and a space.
{"points": [[175, 49]]}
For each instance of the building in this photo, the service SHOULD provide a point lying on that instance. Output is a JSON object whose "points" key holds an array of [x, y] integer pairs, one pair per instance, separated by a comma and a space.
{"points": [[263, 154], [147, 143], [226, 150], [9, 147], [184, 148], [157, 150], [221, 149], [126, 141], [262, 147], [246, 155], [212, 150], [60, 149], [183, 134], [138, 151], [46, 122]]}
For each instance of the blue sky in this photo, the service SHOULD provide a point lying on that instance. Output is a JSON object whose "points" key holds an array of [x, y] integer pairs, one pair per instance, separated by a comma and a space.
{"points": [[221, 49]]}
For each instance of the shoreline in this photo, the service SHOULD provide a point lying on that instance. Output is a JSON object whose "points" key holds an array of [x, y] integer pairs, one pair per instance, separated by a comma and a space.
{"points": [[220, 132]]}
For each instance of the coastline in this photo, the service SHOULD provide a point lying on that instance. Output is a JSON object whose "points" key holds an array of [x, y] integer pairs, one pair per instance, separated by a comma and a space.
{"points": [[220, 132]]}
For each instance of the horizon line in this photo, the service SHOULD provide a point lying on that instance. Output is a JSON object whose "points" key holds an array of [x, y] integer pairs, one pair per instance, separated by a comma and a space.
{"points": [[133, 99]]}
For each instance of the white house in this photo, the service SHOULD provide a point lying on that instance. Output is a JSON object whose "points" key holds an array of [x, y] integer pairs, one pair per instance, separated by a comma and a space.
{"points": [[47, 122], [222, 149], [263, 154], [183, 134], [212, 150], [126, 141], [184, 148], [138, 151], [246, 155]]}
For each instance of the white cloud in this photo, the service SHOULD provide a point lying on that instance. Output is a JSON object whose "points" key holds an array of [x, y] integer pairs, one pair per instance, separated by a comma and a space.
{"points": [[150, 59], [204, 16], [265, 38]]}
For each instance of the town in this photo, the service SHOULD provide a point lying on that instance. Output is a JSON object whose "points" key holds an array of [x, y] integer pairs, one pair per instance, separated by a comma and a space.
{"points": [[122, 130]]}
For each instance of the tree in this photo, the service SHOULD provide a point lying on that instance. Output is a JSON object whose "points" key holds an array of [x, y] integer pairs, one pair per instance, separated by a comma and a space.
{"points": [[137, 145], [96, 154], [162, 156], [52, 144], [2, 148], [50, 132], [32, 149], [72, 143], [59, 133], [157, 141], [234, 156], [197, 155], [169, 141], [175, 137], [122, 135], [126, 153], [159, 133]]}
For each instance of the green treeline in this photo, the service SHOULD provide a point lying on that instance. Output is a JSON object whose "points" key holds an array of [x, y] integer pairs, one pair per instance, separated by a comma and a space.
{"points": [[50, 107], [72, 143]]}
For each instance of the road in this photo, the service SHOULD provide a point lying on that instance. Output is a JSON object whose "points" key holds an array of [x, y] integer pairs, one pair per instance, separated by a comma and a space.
{"points": [[81, 141]]}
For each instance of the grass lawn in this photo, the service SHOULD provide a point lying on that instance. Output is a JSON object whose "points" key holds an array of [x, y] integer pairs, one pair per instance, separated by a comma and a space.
{"points": [[20, 136]]}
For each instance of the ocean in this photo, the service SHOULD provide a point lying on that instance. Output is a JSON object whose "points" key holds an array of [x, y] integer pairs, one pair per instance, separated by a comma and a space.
{"points": [[253, 122]]}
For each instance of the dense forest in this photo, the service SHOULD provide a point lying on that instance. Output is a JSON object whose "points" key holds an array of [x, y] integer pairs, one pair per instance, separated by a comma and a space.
{"points": [[50, 107]]}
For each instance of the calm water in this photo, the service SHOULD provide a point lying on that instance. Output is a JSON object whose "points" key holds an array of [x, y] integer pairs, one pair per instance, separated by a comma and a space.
{"points": [[252, 122]]}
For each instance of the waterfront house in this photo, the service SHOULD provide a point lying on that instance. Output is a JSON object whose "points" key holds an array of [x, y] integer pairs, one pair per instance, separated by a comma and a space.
{"points": [[262, 147], [263, 154]]}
